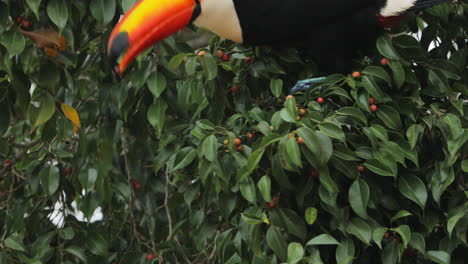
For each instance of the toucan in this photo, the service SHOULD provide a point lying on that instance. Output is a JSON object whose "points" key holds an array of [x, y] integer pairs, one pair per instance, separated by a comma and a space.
{"points": [[332, 29]]}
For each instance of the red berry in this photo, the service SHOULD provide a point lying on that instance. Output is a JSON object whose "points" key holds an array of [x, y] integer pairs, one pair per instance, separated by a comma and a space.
{"points": [[371, 100], [19, 19], [384, 61], [220, 54], [247, 59], [274, 198], [386, 235], [361, 168], [251, 135], [373, 108], [6, 163], [320, 100], [26, 24], [67, 171], [314, 173], [271, 205], [136, 185], [2, 193], [149, 256], [240, 148], [226, 57], [234, 89]]}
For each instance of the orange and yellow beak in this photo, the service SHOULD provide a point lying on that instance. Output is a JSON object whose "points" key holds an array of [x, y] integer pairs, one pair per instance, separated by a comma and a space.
{"points": [[146, 23]]}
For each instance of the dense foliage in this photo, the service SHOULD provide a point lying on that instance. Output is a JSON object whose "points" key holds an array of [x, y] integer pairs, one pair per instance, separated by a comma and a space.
{"points": [[199, 158]]}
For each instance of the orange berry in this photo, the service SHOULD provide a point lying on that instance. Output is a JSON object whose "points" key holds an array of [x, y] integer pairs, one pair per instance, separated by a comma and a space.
{"points": [[361, 168], [356, 74], [320, 100], [300, 140], [302, 112], [373, 108], [201, 53], [289, 97], [237, 142], [272, 128], [251, 135], [220, 54], [371, 100], [384, 61], [225, 142], [298, 118]]}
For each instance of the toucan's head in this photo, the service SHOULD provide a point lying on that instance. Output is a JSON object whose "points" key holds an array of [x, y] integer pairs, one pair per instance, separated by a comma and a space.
{"points": [[146, 23]]}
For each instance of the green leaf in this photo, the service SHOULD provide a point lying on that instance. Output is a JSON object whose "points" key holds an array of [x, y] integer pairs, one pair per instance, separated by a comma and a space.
{"points": [[277, 242], [210, 68], [372, 88], [88, 178], [294, 154], [359, 197], [291, 222], [390, 254], [345, 252], [77, 252], [317, 142], [58, 12], [323, 239], [97, 244], [247, 188], [311, 215], [379, 168], [385, 47], [380, 132], [413, 133], [50, 179], [454, 216], [276, 86], [332, 130], [13, 41], [440, 257], [264, 186], [295, 253], [46, 111], [378, 234], [400, 214], [353, 112], [184, 157], [15, 243], [464, 165], [399, 74], [157, 84], [251, 219], [176, 60], [413, 188], [157, 115], [418, 242], [390, 117], [34, 5], [210, 148], [360, 229], [127, 4], [405, 232], [378, 72], [255, 159], [454, 124], [103, 10]]}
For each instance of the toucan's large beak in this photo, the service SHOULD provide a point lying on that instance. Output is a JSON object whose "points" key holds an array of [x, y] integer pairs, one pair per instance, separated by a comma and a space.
{"points": [[146, 23]]}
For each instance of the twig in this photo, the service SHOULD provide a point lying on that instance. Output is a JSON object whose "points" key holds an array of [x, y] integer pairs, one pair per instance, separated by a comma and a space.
{"points": [[21, 156], [166, 198]]}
